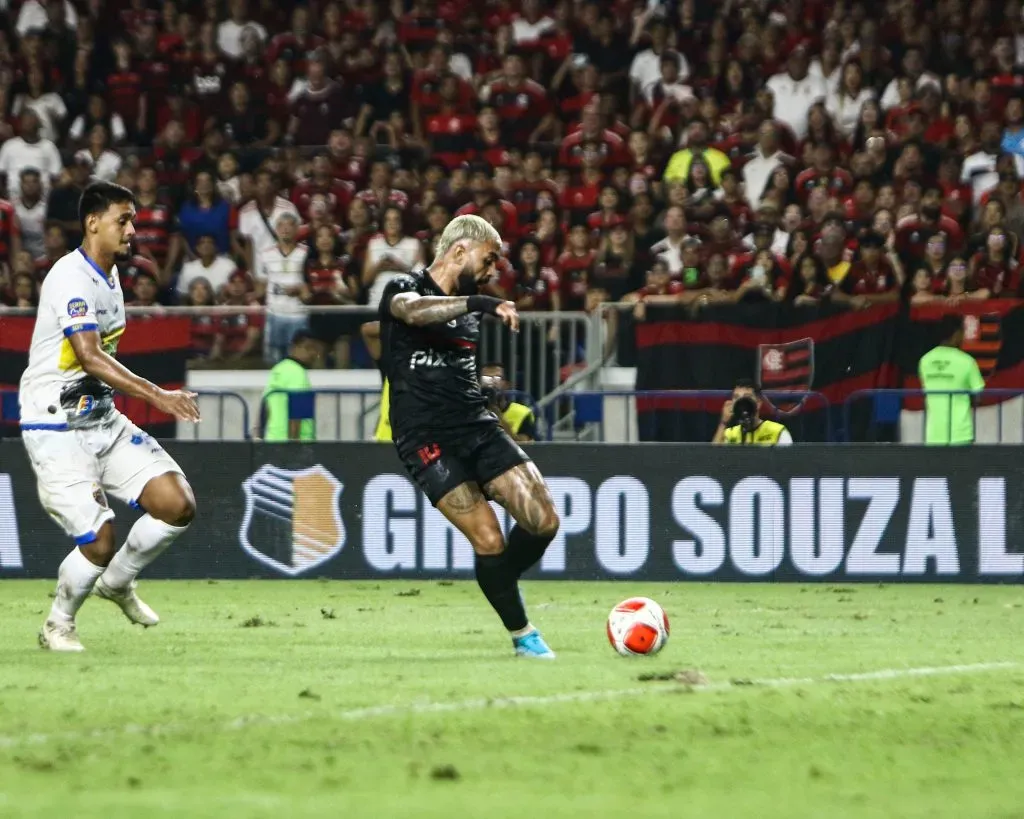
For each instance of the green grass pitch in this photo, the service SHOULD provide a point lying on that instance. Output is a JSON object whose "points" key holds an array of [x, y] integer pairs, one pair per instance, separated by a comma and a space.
{"points": [[401, 699]]}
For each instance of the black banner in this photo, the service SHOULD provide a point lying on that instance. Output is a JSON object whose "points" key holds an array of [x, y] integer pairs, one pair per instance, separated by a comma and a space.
{"points": [[628, 512], [827, 350]]}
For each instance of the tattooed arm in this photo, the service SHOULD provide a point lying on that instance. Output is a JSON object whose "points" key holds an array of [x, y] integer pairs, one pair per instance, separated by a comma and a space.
{"points": [[417, 310]]}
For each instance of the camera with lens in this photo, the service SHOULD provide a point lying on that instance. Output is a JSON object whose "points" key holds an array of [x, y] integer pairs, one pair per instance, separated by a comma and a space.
{"points": [[744, 412]]}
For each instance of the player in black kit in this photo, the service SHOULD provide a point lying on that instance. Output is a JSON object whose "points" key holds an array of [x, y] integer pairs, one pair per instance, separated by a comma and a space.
{"points": [[450, 443]]}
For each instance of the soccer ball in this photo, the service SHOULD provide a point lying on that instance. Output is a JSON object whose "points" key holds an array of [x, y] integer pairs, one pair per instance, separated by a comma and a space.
{"points": [[637, 626]]}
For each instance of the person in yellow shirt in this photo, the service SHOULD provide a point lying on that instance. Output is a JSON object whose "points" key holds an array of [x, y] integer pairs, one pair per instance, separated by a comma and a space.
{"points": [[832, 252], [742, 423], [678, 168], [371, 337]]}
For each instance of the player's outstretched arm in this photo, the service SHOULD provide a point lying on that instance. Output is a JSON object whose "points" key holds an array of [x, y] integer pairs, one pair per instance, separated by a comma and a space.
{"points": [[417, 310], [98, 364]]}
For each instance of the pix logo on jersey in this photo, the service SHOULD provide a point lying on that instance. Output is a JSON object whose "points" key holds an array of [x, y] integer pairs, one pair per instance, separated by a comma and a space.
{"points": [[292, 519], [77, 308]]}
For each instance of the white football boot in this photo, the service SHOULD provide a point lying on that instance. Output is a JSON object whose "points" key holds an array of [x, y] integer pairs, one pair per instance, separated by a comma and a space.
{"points": [[128, 601], [57, 636]]}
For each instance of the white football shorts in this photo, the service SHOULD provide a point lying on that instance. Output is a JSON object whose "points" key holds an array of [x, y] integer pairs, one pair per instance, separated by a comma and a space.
{"points": [[76, 468]]}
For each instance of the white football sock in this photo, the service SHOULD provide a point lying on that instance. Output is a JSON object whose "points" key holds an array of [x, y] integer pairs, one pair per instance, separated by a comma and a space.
{"points": [[75, 579], [146, 542]]}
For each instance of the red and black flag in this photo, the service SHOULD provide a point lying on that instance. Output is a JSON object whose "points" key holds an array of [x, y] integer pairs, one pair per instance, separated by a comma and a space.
{"points": [[786, 368]]}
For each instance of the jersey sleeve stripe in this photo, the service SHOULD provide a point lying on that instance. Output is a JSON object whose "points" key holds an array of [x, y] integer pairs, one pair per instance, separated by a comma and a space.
{"points": [[51, 427], [79, 328]]}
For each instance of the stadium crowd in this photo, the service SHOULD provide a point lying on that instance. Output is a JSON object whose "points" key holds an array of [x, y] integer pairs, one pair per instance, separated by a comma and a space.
{"points": [[291, 155]]}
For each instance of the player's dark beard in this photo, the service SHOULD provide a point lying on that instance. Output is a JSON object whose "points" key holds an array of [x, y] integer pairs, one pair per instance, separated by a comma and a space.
{"points": [[122, 256], [466, 284]]}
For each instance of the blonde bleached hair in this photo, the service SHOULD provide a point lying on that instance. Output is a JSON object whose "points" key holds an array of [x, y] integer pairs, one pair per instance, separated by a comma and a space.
{"points": [[466, 227]]}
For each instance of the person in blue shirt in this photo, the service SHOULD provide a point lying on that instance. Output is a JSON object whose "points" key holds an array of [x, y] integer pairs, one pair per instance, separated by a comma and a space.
{"points": [[205, 213]]}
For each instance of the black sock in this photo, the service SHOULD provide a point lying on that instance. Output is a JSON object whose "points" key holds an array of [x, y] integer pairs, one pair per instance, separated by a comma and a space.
{"points": [[497, 581], [525, 549]]}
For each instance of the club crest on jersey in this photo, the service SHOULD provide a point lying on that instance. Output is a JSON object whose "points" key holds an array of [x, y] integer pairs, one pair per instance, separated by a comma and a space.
{"points": [[77, 308], [86, 404], [292, 521]]}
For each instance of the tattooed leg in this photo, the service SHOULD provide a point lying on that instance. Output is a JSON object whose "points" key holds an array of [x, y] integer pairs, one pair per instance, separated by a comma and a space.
{"points": [[524, 494], [467, 508]]}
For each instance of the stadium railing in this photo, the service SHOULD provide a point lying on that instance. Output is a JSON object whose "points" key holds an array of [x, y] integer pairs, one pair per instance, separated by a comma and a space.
{"points": [[628, 416], [871, 415], [352, 414], [548, 348]]}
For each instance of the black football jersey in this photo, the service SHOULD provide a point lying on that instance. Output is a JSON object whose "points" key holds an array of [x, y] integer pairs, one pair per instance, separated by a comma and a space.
{"points": [[432, 368]]}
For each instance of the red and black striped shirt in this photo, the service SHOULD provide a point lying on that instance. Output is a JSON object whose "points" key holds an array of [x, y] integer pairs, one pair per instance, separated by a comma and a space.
{"points": [[153, 225]]}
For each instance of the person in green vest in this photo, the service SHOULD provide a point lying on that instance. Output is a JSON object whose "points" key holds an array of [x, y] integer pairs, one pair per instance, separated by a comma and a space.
{"points": [[517, 419], [371, 337], [742, 423], [697, 147], [948, 418], [289, 375]]}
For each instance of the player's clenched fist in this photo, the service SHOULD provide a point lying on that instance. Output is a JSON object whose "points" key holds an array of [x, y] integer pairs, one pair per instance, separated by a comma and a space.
{"points": [[508, 314], [179, 404]]}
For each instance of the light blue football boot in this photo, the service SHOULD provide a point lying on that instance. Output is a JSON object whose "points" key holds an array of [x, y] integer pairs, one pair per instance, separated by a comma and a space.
{"points": [[532, 645]]}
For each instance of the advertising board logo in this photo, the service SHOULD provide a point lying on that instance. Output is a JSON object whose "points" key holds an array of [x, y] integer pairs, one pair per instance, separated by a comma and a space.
{"points": [[786, 367], [292, 519]]}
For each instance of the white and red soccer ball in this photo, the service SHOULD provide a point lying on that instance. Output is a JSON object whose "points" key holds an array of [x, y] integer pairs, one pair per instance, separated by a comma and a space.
{"points": [[637, 626]]}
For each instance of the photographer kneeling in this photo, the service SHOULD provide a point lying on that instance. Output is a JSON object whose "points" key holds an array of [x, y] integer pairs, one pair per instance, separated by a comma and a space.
{"points": [[742, 423], [516, 418]]}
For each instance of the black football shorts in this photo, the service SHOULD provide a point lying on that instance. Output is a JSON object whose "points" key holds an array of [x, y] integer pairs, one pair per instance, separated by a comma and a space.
{"points": [[470, 454]]}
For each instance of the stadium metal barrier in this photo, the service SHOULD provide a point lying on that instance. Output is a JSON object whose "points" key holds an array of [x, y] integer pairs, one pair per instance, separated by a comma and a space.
{"points": [[628, 416], [881, 415], [351, 414], [548, 348]]}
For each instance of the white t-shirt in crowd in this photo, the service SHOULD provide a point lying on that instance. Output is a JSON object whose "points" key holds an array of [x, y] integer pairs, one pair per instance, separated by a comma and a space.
{"points": [[891, 95], [671, 253], [49, 108], [32, 17], [33, 226], [979, 171], [253, 226], [678, 91], [793, 98], [408, 251], [756, 173], [523, 31], [645, 70], [106, 167], [281, 272], [845, 110], [16, 155], [117, 129], [217, 274], [229, 36]]}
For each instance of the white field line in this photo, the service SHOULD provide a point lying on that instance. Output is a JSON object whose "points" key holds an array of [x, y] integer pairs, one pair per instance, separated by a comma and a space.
{"points": [[484, 703]]}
